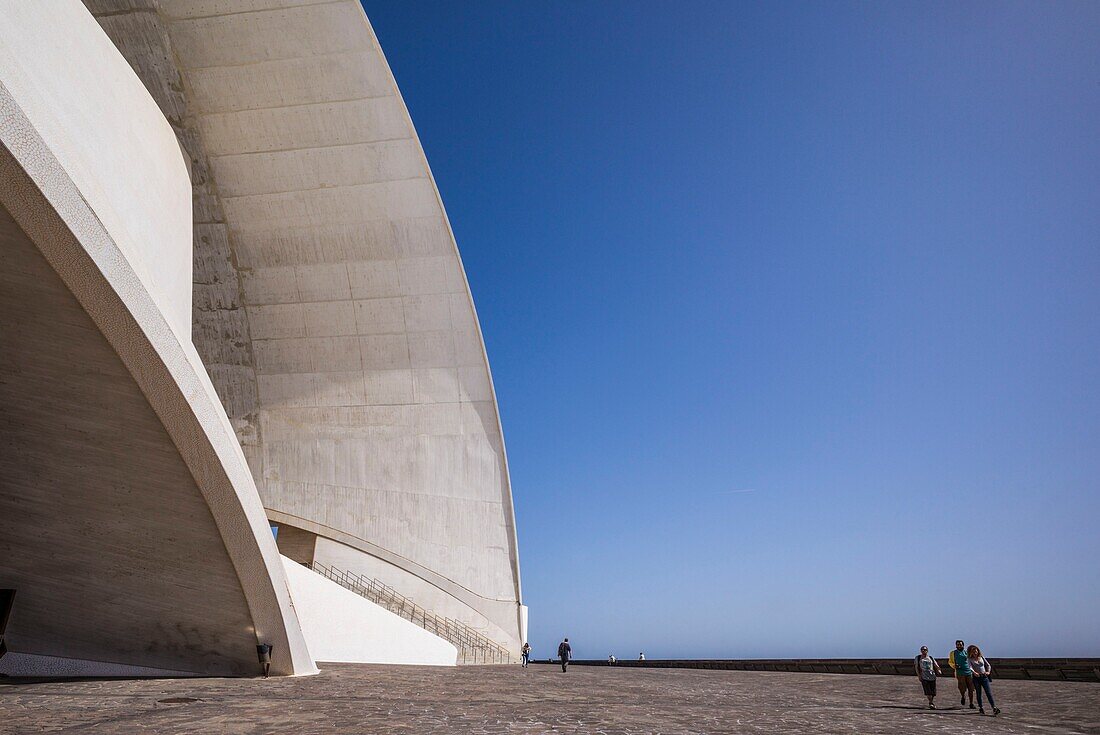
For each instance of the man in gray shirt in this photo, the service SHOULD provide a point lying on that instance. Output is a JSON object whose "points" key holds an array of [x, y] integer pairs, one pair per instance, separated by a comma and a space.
{"points": [[927, 669], [565, 652]]}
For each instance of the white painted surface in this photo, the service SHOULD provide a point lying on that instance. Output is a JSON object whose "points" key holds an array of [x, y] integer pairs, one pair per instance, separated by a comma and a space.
{"points": [[446, 602], [341, 626]]}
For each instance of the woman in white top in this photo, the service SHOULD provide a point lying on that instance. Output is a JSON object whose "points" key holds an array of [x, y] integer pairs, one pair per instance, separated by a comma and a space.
{"points": [[982, 670]]}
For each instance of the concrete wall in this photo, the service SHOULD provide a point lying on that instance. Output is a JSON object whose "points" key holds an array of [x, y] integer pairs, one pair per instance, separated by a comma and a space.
{"points": [[331, 306], [220, 325], [445, 600], [78, 114], [31, 665], [341, 626], [103, 532], [296, 544], [129, 523]]}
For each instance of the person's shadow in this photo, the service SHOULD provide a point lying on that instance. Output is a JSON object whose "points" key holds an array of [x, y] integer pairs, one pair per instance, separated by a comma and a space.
{"points": [[937, 711]]}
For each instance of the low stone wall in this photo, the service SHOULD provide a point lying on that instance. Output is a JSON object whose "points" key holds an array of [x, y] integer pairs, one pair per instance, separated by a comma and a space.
{"points": [[1050, 669]]}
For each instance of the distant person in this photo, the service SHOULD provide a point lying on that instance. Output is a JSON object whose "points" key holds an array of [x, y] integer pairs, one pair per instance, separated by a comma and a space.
{"points": [[525, 653], [565, 652], [611, 659], [927, 670], [964, 675], [641, 657], [982, 670]]}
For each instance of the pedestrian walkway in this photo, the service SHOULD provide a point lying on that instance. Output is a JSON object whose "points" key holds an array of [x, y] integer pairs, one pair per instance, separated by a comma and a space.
{"points": [[350, 699]]}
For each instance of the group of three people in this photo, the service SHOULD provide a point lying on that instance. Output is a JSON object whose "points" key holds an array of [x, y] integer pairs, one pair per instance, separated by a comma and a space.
{"points": [[972, 672]]}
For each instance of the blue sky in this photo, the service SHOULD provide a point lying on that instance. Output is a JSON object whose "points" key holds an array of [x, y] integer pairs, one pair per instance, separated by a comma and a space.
{"points": [[793, 312]]}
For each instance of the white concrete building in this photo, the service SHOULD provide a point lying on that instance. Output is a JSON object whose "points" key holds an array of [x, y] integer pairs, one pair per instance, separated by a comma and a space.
{"points": [[272, 326]]}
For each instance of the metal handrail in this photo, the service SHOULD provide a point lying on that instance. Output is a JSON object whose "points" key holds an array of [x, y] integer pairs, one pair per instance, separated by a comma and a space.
{"points": [[473, 646]]}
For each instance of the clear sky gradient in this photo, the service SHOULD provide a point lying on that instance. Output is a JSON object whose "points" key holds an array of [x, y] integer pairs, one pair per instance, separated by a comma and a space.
{"points": [[793, 312]]}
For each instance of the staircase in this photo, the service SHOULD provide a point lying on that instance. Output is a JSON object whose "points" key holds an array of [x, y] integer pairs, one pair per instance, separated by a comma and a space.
{"points": [[473, 647]]}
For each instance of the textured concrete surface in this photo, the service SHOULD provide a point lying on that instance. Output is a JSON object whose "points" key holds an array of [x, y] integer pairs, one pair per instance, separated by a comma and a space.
{"points": [[349, 699], [101, 124], [90, 541], [131, 526], [331, 306]]}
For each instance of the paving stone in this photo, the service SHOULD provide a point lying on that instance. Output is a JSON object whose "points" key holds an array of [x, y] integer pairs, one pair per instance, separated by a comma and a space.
{"points": [[349, 699]]}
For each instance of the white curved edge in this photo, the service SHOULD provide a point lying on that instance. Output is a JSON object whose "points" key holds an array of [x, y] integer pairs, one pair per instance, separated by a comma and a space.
{"points": [[125, 300], [342, 627], [103, 125], [509, 502]]}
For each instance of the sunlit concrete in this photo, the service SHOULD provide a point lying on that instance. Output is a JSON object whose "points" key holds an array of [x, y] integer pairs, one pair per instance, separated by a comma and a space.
{"points": [[129, 523], [341, 626], [330, 303], [541, 699]]}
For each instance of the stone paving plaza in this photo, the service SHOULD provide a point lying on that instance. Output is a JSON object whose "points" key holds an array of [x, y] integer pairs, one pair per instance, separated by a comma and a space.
{"points": [[349, 698]]}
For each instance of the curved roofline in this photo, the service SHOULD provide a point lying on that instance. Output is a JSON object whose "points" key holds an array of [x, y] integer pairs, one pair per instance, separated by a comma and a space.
{"points": [[513, 535], [327, 281]]}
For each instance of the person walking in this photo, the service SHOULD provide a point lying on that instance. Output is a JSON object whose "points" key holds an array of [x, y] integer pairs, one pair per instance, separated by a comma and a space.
{"points": [[964, 675], [565, 652], [525, 653], [641, 657], [927, 670], [982, 670]]}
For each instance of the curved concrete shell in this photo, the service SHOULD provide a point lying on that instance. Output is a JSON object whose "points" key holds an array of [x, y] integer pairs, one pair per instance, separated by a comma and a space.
{"points": [[331, 307], [130, 526]]}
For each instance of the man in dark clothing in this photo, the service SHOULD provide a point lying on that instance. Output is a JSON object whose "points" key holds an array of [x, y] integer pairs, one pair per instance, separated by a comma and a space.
{"points": [[564, 653]]}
